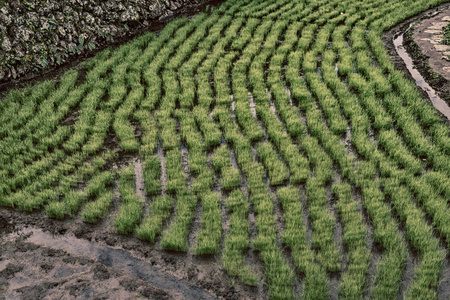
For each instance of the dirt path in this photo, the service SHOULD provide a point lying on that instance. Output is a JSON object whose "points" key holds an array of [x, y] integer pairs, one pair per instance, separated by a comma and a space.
{"points": [[45, 259], [423, 45], [428, 36]]}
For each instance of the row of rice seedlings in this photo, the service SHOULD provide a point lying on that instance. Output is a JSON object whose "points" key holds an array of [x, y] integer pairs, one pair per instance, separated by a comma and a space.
{"points": [[149, 139], [122, 127], [130, 211], [210, 130], [97, 190], [159, 211], [175, 236], [27, 103], [385, 229], [415, 283], [430, 201], [71, 198], [420, 234], [298, 164], [244, 116], [205, 97], [439, 182], [11, 104], [99, 130], [86, 117], [278, 172], [322, 223], [152, 175], [354, 277], [210, 234], [245, 34], [193, 140], [288, 113], [25, 144], [279, 275], [388, 275], [166, 123], [95, 142], [175, 174], [221, 161], [410, 128], [121, 124], [237, 241], [315, 284]]}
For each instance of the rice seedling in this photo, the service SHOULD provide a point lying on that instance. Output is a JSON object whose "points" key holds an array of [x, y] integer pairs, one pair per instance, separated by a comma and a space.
{"points": [[285, 119]]}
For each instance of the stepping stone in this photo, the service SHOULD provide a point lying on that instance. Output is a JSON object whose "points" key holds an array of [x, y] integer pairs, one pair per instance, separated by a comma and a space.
{"points": [[442, 48], [438, 25], [433, 31]]}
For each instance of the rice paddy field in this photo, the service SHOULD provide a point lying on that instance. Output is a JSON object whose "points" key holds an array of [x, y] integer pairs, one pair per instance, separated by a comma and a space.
{"points": [[279, 129]]}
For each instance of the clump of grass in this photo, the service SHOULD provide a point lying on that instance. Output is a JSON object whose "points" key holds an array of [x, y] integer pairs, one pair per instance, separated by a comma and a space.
{"points": [[96, 210], [210, 234], [175, 236], [152, 175], [160, 210], [130, 212]]}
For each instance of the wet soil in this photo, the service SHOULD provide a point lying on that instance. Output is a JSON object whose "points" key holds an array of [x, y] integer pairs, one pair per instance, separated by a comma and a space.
{"points": [[40, 257], [427, 58], [439, 103]]}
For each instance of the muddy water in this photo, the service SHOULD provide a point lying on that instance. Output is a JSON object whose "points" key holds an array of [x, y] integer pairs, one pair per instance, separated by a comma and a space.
{"points": [[117, 259], [139, 174], [252, 104], [420, 81]]}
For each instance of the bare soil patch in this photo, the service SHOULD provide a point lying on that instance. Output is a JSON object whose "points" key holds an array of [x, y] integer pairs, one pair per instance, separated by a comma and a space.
{"points": [[428, 56]]}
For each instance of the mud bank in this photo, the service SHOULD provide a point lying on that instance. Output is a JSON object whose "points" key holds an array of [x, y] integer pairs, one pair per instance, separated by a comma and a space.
{"points": [[427, 57], [440, 104], [40, 257]]}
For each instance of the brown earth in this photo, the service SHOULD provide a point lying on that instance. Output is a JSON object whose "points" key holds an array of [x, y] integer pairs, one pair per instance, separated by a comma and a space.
{"points": [[45, 259], [428, 56]]}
